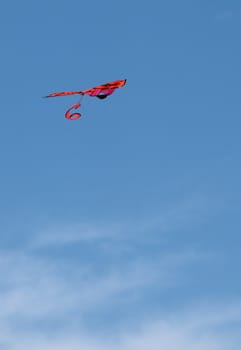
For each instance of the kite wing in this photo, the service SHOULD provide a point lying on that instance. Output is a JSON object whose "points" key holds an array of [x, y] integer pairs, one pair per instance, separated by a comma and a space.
{"points": [[64, 93], [101, 91]]}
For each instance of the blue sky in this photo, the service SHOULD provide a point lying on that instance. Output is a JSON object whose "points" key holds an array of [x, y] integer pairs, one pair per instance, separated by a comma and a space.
{"points": [[121, 229]]}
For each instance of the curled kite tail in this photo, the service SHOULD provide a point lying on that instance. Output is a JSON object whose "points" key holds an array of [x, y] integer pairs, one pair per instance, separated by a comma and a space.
{"points": [[73, 116]]}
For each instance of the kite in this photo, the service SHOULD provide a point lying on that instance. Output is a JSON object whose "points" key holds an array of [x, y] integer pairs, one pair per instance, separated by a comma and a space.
{"points": [[101, 91]]}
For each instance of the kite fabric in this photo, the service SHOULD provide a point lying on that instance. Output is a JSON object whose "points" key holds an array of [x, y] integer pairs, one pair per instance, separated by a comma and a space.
{"points": [[101, 91]]}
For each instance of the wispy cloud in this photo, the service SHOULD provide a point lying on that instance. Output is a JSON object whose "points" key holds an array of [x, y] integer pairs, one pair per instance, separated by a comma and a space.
{"points": [[35, 291], [173, 333], [37, 287], [58, 286], [185, 213]]}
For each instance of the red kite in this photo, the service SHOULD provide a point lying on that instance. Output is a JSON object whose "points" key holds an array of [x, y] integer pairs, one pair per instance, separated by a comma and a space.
{"points": [[101, 91]]}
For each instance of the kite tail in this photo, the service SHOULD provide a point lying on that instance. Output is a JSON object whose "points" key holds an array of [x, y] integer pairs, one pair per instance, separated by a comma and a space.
{"points": [[73, 116]]}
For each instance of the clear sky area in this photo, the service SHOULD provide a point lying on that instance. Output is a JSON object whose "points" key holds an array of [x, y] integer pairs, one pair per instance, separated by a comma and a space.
{"points": [[120, 230]]}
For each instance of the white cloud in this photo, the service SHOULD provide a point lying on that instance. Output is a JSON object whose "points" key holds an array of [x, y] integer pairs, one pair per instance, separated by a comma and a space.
{"points": [[47, 298], [175, 333], [74, 233], [187, 212], [35, 287], [33, 290]]}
